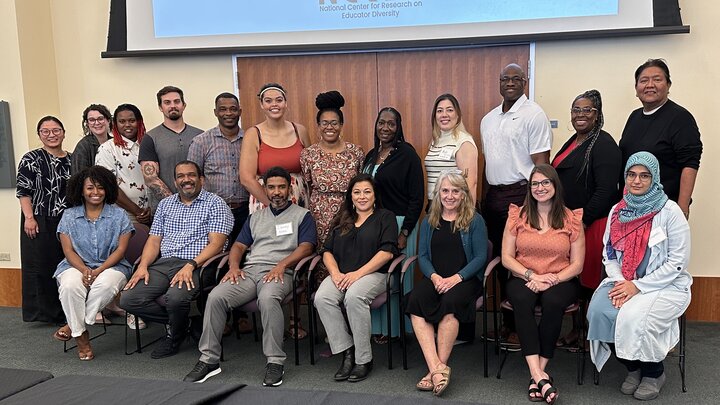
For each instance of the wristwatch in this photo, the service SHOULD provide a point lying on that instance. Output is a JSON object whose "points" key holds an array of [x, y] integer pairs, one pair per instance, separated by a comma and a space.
{"points": [[194, 263], [528, 273], [405, 233]]}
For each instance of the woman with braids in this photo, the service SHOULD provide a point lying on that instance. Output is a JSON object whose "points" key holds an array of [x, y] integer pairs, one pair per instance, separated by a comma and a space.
{"points": [[397, 170], [646, 254], [96, 128], [328, 166], [120, 156], [589, 165]]}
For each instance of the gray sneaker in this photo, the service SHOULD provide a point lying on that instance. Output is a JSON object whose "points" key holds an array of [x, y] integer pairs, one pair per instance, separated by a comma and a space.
{"points": [[631, 382], [273, 375], [649, 388]]}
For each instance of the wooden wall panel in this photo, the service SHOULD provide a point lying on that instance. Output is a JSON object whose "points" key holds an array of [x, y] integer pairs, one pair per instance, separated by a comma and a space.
{"points": [[705, 304], [10, 288], [411, 81], [303, 77]]}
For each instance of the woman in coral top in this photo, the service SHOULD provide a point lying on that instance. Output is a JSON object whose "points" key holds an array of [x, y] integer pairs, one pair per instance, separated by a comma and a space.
{"points": [[544, 248]]}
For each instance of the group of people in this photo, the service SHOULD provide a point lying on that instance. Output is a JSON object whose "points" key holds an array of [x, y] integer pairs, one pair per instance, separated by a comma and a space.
{"points": [[271, 198]]}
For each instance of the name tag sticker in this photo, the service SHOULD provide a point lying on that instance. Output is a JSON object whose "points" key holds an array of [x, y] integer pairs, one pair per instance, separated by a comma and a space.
{"points": [[657, 235], [283, 229], [446, 153]]}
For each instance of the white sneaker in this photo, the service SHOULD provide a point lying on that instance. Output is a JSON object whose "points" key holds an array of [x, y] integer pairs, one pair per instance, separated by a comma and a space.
{"points": [[131, 322]]}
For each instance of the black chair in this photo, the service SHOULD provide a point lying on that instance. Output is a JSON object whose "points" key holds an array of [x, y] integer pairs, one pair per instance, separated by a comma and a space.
{"points": [[208, 277], [251, 307], [681, 355], [392, 286]]}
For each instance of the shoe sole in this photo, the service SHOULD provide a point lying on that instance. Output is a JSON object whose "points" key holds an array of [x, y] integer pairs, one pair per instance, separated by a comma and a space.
{"points": [[210, 374], [272, 385], [164, 355]]}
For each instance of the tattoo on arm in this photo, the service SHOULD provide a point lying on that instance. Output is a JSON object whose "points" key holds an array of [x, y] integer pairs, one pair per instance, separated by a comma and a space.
{"points": [[153, 182]]}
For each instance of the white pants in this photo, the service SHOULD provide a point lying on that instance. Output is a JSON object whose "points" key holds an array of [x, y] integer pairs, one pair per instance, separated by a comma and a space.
{"points": [[81, 304]]}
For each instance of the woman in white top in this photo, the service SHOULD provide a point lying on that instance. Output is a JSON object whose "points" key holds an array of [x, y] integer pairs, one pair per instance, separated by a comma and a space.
{"points": [[452, 147]]}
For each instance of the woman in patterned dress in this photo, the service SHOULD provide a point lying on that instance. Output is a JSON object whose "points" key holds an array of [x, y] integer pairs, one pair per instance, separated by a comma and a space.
{"points": [[41, 181], [328, 166]]}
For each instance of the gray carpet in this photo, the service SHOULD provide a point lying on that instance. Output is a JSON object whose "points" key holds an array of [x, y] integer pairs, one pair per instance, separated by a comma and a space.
{"points": [[30, 346]]}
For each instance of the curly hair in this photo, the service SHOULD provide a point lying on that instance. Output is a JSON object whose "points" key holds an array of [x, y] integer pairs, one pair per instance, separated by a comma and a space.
{"points": [[330, 101], [99, 176]]}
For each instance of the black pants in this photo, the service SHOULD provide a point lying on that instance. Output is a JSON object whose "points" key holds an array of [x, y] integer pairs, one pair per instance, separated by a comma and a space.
{"points": [[495, 212], [142, 299], [540, 338], [647, 369]]}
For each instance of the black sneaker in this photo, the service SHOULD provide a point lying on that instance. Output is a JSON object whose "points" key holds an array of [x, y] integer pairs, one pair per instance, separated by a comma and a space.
{"points": [[166, 348], [273, 375], [201, 372]]}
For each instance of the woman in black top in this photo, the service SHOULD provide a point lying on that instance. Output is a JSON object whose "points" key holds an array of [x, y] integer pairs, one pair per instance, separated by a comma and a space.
{"points": [[357, 255], [666, 130], [398, 174], [41, 181], [589, 166], [96, 124]]}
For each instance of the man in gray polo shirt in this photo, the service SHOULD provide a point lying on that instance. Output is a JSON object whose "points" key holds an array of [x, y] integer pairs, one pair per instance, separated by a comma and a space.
{"points": [[165, 145], [280, 235]]}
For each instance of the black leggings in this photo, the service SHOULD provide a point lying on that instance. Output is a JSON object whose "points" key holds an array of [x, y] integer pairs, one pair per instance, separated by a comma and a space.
{"points": [[647, 369], [540, 338]]}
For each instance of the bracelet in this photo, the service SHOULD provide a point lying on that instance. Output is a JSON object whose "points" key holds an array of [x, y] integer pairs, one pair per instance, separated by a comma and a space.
{"points": [[461, 277], [528, 273], [193, 262]]}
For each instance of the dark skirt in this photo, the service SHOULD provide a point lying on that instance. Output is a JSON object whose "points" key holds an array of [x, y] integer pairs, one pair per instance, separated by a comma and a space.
{"points": [[426, 303], [39, 258]]}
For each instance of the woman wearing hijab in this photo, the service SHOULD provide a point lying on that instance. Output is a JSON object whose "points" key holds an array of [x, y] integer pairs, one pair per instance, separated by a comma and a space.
{"points": [[634, 312]]}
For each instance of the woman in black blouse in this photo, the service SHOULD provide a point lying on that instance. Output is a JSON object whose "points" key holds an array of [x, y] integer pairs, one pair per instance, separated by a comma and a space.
{"points": [[357, 255], [397, 170], [589, 166], [41, 181], [96, 124]]}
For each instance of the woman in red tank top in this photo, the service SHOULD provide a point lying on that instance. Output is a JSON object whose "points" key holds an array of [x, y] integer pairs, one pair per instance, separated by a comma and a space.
{"points": [[273, 142]]}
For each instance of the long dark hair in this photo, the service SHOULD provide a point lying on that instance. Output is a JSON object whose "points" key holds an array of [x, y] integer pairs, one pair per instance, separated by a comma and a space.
{"points": [[557, 209], [346, 217], [399, 136], [594, 97]]}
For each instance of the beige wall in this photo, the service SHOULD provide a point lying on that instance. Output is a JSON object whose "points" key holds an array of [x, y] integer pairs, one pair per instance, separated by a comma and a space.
{"points": [[563, 70]]}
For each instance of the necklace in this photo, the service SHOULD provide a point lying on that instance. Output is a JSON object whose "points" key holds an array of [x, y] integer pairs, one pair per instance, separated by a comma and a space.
{"points": [[381, 157]]}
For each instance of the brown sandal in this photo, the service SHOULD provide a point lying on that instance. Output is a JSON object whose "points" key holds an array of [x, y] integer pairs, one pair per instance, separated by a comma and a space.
{"points": [[444, 382], [85, 352], [63, 334], [425, 384]]}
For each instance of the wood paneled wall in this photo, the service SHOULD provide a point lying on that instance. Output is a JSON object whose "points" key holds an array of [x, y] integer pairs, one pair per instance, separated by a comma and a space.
{"points": [[10, 287], [409, 81]]}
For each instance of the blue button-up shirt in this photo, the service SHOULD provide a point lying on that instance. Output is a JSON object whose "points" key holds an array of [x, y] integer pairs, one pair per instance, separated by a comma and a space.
{"points": [[184, 228], [95, 241]]}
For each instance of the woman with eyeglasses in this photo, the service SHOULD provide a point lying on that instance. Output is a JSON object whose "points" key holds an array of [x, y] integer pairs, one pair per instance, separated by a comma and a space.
{"points": [[96, 124], [41, 182], [544, 249], [589, 166], [646, 254], [328, 166]]}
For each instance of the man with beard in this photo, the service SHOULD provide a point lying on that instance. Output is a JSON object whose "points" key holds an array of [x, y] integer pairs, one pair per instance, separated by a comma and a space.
{"points": [[280, 235], [166, 145], [189, 228], [217, 152], [516, 136]]}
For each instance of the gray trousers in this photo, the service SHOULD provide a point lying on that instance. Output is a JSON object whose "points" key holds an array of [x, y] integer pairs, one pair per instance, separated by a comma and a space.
{"points": [[356, 301], [226, 297]]}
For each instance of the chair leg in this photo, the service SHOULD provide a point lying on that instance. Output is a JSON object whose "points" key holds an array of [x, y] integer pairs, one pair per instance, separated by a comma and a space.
{"points": [[485, 343], [596, 376], [312, 330], [388, 306], [580, 327], [683, 324], [296, 328], [403, 340], [255, 333], [502, 363]]}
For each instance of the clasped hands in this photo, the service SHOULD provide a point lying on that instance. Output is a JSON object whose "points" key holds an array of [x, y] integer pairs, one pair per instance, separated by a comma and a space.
{"points": [[621, 292], [88, 276], [444, 284], [343, 281], [541, 282]]}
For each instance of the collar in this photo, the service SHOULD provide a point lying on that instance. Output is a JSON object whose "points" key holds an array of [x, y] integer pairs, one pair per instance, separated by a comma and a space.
{"points": [[654, 110], [128, 143], [516, 106], [200, 197], [215, 131], [81, 211], [173, 131], [281, 210]]}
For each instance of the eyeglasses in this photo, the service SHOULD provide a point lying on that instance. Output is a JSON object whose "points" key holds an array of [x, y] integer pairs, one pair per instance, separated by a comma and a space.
{"points": [[99, 120], [325, 124], [514, 79], [545, 183], [582, 111], [631, 176], [54, 131]]}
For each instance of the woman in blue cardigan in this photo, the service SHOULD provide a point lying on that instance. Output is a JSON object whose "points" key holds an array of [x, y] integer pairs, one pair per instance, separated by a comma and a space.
{"points": [[446, 295]]}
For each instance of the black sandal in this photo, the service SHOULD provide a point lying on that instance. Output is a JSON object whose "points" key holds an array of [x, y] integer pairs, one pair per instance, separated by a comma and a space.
{"points": [[532, 391], [549, 391]]}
